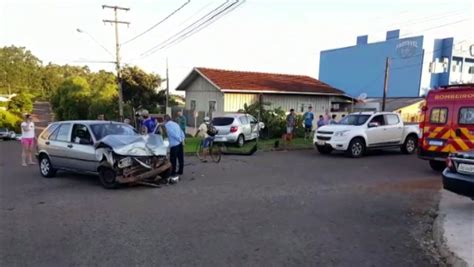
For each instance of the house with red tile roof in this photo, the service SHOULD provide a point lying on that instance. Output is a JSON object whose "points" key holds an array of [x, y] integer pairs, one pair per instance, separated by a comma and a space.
{"points": [[216, 90]]}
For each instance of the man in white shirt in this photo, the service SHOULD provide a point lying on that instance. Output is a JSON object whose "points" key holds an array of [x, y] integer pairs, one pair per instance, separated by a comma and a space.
{"points": [[27, 140]]}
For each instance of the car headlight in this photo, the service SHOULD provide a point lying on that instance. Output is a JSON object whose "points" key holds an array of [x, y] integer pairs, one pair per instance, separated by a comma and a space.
{"points": [[341, 133]]}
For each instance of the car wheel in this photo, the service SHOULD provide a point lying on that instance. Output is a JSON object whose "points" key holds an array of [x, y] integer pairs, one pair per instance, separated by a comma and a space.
{"points": [[107, 177], [356, 148], [437, 165], [45, 167], [324, 149], [409, 147], [240, 141]]}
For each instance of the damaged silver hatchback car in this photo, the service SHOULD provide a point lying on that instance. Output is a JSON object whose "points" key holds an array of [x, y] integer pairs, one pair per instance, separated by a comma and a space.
{"points": [[113, 151]]}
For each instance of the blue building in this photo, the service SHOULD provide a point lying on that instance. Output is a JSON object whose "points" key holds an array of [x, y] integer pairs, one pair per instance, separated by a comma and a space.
{"points": [[414, 66]]}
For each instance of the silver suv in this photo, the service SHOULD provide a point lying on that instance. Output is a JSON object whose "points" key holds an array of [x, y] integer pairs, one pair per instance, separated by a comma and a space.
{"points": [[236, 128], [114, 151]]}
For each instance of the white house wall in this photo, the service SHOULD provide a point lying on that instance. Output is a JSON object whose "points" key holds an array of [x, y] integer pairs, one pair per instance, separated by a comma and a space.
{"points": [[202, 92], [233, 102], [287, 102]]}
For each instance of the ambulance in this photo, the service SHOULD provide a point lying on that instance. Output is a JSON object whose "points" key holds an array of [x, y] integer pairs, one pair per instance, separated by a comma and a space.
{"points": [[447, 124]]}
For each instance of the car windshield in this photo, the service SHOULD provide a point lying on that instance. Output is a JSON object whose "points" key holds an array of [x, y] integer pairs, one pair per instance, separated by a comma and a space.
{"points": [[3, 130], [222, 121], [354, 119], [102, 130]]}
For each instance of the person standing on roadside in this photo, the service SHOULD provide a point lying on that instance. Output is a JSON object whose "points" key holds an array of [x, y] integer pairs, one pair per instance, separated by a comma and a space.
{"points": [[320, 122], [290, 123], [333, 119], [182, 122], [176, 139], [27, 140], [308, 118], [148, 122]]}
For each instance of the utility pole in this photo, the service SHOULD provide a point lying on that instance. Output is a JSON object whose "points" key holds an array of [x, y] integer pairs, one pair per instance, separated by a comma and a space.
{"points": [[116, 22], [167, 87], [385, 82]]}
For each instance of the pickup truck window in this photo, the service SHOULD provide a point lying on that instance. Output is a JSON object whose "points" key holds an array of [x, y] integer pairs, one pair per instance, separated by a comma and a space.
{"points": [[392, 119], [439, 115], [379, 119], [353, 119]]}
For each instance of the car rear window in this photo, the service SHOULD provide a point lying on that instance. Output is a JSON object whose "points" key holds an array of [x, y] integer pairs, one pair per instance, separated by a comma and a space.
{"points": [[466, 115], [222, 121], [439, 115]]}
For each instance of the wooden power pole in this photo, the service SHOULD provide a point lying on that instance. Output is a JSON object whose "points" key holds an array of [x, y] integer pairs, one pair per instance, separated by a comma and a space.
{"points": [[116, 22], [385, 82]]}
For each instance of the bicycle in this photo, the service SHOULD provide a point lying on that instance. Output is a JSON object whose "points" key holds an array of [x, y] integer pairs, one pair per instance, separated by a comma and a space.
{"points": [[215, 151]]}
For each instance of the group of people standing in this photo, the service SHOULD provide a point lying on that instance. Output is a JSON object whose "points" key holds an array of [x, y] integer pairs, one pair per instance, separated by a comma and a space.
{"points": [[308, 118]]}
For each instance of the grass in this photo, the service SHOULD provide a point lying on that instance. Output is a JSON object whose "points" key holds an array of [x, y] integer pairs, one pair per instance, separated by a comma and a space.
{"points": [[191, 144]]}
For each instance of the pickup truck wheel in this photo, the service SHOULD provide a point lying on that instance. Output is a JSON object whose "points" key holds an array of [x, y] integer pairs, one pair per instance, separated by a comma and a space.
{"points": [[437, 165], [107, 177], [356, 148], [409, 146], [324, 149], [45, 167]]}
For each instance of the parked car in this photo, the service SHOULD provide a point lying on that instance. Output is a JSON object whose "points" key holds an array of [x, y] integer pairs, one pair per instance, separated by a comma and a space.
{"points": [[6, 134], [114, 151], [458, 177], [236, 128], [447, 124], [358, 132]]}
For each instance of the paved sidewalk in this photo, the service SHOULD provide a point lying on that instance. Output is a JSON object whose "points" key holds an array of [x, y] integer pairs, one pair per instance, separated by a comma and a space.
{"points": [[456, 229]]}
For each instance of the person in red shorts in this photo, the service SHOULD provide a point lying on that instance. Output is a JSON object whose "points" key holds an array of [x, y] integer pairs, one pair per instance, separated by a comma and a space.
{"points": [[27, 140]]}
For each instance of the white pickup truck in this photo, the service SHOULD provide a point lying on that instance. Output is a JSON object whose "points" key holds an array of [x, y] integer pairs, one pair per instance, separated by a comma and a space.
{"points": [[358, 132]]}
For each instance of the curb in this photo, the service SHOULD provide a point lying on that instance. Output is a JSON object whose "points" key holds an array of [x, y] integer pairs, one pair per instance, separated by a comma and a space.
{"points": [[450, 257]]}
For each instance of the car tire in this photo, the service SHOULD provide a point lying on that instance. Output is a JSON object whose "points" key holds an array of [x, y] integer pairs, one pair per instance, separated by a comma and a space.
{"points": [[46, 167], [356, 148], [410, 144], [324, 149], [438, 166], [107, 177], [240, 141]]}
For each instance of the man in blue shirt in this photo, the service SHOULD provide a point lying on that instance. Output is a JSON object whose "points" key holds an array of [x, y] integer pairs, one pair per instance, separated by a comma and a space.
{"points": [[176, 139], [308, 118], [148, 122]]}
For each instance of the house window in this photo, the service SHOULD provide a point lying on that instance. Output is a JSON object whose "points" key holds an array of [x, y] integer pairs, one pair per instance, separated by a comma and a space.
{"points": [[304, 106], [193, 104], [212, 106]]}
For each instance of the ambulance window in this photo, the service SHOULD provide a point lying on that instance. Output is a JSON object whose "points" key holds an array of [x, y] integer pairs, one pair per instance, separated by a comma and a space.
{"points": [[466, 115], [439, 115]]}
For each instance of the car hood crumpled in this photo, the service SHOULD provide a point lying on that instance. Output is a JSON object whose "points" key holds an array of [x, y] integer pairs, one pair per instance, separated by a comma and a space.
{"points": [[135, 145]]}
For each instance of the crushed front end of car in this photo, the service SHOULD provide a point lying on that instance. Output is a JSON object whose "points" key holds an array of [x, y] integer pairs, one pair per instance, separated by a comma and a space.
{"points": [[126, 159]]}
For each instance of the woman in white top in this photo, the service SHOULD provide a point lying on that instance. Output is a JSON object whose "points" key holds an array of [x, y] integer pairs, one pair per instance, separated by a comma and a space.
{"points": [[27, 140]]}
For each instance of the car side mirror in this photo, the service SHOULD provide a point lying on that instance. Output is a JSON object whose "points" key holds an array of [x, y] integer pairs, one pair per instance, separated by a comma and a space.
{"points": [[373, 124]]}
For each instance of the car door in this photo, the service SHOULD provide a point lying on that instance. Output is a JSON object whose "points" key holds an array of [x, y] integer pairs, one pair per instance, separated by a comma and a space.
{"points": [[57, 146], [246, 130], [394, 128], [253, 127], [81, 149], [377, 135], [464, 128]]}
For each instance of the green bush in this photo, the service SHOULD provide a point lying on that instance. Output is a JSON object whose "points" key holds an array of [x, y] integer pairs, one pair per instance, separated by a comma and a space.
{"points": [[9, 120], [20, 104]]}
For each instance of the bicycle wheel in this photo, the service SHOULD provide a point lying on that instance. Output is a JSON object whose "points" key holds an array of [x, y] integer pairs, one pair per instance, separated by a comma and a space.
{"points": [[215, 151], [200, 150]]}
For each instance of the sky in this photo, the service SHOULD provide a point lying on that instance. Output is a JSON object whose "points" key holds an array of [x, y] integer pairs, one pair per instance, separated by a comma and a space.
{"points": [[282, 36]]}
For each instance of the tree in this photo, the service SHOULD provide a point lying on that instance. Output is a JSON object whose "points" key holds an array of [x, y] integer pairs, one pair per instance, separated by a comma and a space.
{"points": [[21, 103], [140, 88], [19, 71], [72, 99]]}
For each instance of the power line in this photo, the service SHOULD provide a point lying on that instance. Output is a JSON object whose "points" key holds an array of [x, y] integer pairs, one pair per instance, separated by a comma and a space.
{"points": [[209, 16], [199, 28], [158, 23], [436, 27], [195, 14], [427, 18]]}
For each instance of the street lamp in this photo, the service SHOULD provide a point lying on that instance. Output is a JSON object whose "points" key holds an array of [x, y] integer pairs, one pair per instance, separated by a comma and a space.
{"points": [[95, 40]]}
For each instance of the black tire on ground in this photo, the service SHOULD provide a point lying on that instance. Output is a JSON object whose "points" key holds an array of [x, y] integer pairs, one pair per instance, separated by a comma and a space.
{"points": [[356, 148], [437, 165], [240, 141], [107, 177], [410, 144], [45, 166], [324, 149]]}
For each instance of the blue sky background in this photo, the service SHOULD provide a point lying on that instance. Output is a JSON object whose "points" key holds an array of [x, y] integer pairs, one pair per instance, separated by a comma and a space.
{"points": [[261, 35]]}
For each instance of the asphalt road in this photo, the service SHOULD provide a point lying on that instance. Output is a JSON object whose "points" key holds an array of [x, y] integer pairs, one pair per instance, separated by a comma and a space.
{"points": [[270, 209]]}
